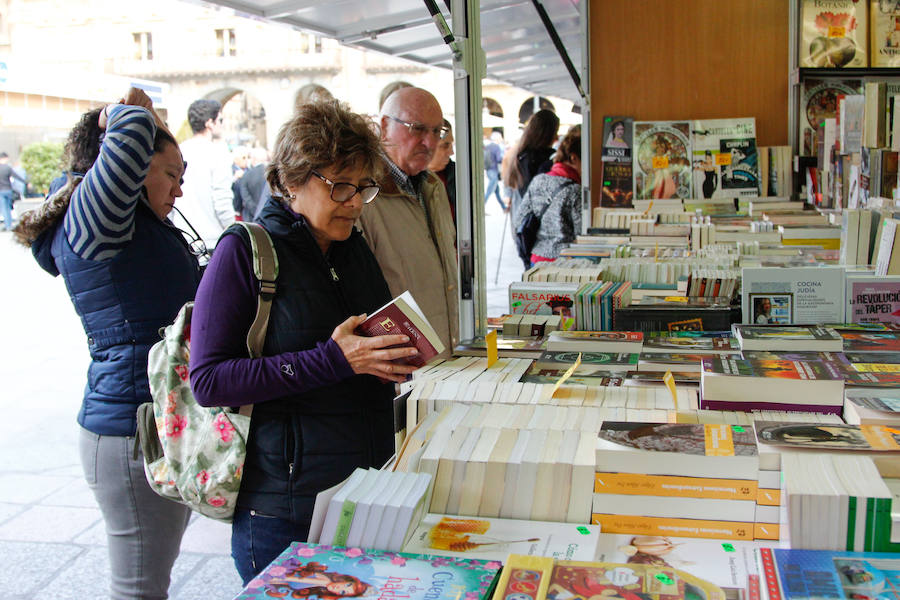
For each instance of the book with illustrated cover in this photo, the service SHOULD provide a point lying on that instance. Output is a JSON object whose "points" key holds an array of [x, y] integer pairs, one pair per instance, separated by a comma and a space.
{"points": [[598, 377], [495, 538], [662, 159], [728, 565], [691, 345], [871, 341], [573, 579], [808, 574], [885, 34], [871, 358], [797, 338], [833, 34], [618, 135], [595, 341], [671, 361], [312, 571], [819, 102], [543, 298], [685, 449], [725, 162], [691, 378], [590, 361], [829, 436], [788, 295], [800, 385], [873, 299], [403, 316]]}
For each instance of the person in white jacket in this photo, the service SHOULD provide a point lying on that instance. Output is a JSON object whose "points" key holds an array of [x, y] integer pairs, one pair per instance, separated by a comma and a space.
{"points": [[207, 203]]}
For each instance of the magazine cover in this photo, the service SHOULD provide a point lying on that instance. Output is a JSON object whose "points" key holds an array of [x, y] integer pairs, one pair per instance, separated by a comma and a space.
{"points": [[662, 166], [324, 572], [833, 34], [805, 574], [874, 300], [571, 580], [819, 102], [725, 163], [616, 191]]}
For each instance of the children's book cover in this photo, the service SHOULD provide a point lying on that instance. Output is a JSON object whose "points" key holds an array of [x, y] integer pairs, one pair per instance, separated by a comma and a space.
{"points": [[662, 164], [805, 574], [819, 102], [725, 163], [326, 573], [591, 580]]}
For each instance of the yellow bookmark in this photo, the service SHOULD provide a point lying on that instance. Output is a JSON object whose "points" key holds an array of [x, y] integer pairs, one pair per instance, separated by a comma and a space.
{"points": [[669, 380], [566, 375], [491, 341]]}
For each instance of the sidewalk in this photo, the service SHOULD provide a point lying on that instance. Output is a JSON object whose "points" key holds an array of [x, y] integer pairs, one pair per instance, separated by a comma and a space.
{"points": [[52, 540]]}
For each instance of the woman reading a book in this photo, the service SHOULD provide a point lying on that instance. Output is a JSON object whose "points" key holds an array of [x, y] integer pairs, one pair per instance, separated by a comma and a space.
{"points": [[321, 394]]}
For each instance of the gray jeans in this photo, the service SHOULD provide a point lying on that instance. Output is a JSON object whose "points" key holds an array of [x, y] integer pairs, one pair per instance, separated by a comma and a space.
{"points": [[143, 529]]}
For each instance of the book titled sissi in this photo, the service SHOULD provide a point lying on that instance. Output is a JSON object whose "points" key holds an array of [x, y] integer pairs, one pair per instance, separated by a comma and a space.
{"points": [[325, 572], [403, 316]]}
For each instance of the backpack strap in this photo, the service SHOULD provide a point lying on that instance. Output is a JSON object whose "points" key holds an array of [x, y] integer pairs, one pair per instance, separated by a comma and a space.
{"points": [[265, 268]]}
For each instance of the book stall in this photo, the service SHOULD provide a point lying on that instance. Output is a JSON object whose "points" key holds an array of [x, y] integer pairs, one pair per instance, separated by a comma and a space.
{"points": [[699, 398]]}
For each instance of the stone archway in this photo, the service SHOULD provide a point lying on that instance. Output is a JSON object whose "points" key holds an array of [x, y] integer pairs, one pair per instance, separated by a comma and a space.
{"points": [[532, 105]]}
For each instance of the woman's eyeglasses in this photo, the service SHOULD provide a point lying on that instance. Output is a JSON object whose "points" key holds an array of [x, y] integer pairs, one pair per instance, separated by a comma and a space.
{"points": [[195, 243], [342, 192], [420, 130]]}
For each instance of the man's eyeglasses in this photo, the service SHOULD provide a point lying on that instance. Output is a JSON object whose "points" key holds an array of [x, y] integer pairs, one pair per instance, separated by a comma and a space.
{"points": [[420, 130], [341, 192]]}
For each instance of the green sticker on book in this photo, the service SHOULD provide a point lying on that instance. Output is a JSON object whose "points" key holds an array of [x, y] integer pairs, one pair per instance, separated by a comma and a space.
{"points": [[664, 579], [516, 303], [728, 547], [738, 429], [583, 530]]}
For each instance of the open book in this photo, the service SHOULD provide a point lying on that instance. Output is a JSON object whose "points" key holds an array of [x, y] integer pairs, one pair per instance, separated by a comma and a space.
{"points": [[403, 316]]}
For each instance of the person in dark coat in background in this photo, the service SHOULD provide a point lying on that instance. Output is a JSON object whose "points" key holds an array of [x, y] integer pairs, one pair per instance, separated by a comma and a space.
{"points": [[444, 167], [321, 394], [531, 156]]}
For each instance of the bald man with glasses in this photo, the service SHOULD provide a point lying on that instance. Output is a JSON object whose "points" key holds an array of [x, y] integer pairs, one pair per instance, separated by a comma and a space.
{"points": [[409, 227]]}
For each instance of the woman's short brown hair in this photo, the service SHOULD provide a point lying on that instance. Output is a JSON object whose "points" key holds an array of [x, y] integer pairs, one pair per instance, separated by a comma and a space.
{"points": [[570, 145], [322, 134]]}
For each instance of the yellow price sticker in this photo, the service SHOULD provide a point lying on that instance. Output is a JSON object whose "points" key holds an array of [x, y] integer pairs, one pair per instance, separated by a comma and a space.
{"points": [[566, 375], [660, 162], [491, 342], [675, 299], [835, 31], [669, 380], [723, 159]]}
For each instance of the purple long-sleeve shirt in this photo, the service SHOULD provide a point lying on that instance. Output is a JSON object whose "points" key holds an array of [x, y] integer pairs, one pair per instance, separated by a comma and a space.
{"points": [[222, 374]]}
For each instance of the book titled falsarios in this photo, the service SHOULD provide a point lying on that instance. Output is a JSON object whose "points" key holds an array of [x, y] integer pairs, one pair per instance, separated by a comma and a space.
{"points": [[325, 572]]}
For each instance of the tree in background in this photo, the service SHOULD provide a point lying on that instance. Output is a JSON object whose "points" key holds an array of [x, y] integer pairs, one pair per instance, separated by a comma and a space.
{"points": [[42, 162]]}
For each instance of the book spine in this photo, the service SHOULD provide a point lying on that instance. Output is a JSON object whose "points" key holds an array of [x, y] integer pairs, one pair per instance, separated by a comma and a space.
{"points": [[344, 522], [664, 526], [757, 405], [672, 486]]}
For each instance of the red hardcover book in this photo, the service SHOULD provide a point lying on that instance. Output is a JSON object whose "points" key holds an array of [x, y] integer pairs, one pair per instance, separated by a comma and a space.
{"points": [[403, 316]]}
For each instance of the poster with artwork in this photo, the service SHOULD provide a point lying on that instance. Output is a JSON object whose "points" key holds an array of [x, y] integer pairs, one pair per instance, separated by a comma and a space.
{"points": [[662, 153], [725, 162]]}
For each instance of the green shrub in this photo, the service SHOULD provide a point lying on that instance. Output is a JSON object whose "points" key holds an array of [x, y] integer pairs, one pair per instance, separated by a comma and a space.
{"points": [[42, 162]]}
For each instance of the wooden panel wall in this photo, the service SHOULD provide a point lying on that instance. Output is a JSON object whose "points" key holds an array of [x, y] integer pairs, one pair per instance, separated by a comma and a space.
{"points": [[689, 59]]}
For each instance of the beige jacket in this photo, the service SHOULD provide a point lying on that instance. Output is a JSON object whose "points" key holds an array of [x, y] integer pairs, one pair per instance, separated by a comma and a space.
{"points": [[416, 254]]}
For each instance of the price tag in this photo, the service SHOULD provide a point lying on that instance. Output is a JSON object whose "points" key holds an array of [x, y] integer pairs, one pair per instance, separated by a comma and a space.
{"points": [[660, 162], [723, 159], [584, 530], [728, 547], [664, 579], [675, 299], [491, 342], [835, 31], [738, 429]]}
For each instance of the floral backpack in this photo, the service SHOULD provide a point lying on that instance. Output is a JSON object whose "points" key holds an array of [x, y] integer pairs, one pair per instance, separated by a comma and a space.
{"points": [[195, 454]]}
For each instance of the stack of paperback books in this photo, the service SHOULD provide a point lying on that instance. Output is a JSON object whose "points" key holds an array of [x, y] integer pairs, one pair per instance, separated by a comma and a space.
{"points": [[679, 479]]}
